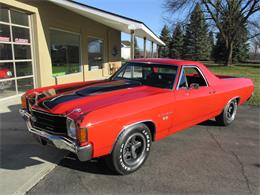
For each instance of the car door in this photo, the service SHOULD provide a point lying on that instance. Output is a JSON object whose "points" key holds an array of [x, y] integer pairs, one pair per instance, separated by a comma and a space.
{"points": [[193, 97]]}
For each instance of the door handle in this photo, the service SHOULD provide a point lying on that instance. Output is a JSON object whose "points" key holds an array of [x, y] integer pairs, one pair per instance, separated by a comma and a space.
{"points": [[212, 92]]}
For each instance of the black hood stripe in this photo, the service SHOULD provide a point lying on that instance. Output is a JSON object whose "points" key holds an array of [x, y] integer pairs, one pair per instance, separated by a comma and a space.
{"points": [[62, 90], [90, 90]]}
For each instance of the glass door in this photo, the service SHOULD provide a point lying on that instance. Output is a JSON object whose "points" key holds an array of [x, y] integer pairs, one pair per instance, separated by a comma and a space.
{"points": [[16, 61], [95, 53]]}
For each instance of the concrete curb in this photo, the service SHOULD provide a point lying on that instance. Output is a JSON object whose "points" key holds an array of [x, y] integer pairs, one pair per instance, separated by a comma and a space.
{"points": [[34, 180], [23, 162]]}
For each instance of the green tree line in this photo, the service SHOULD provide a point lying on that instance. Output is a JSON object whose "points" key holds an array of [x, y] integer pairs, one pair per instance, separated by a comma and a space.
{"points": [[194, 41]]}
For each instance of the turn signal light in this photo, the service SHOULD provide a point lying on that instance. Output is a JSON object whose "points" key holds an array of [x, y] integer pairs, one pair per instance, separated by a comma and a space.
{"points": [[23, 102], [82, 136]]}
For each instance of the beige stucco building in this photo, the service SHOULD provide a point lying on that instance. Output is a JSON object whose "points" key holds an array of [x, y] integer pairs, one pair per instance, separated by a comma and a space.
{"points": [[58, 41]]}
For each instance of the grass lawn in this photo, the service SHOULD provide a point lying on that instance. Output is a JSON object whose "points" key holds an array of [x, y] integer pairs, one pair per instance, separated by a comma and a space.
{"points": [[242, 71]]}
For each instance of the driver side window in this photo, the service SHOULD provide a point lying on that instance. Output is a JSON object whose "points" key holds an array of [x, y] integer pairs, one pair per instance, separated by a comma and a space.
{"points": [[191, 75]]}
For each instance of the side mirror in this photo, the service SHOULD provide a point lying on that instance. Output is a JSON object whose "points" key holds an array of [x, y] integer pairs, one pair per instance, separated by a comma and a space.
{"points": [[194, 86]]}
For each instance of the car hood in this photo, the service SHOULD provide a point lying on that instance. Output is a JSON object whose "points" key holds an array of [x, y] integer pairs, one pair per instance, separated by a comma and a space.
{"points": [[96, 95]]}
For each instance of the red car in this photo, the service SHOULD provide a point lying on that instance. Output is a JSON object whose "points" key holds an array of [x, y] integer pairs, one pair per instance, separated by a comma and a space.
{"points": [[144, 101], [5, 73]]}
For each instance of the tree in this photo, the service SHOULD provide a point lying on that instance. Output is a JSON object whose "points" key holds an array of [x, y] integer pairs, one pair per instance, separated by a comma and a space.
{"points": [[196, 39], [219, 51], [256, 45], [165, 37], [176, 44], [211, 43], [235, 13], [240, 49]]}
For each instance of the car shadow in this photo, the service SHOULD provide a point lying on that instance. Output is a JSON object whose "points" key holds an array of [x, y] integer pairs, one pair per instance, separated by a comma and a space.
{"points": [[210, 123], [19, 150], [95, 166]]}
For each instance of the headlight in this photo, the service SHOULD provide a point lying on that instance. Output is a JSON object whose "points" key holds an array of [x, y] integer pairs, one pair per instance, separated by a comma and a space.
{"points": [[71, 128]]}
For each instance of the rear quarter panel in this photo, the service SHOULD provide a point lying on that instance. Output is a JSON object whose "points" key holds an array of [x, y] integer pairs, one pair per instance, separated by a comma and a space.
{"points": [[229, 88]]}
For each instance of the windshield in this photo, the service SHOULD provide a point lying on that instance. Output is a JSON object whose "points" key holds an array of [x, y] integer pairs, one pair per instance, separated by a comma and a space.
{"points": [[155, 75]]}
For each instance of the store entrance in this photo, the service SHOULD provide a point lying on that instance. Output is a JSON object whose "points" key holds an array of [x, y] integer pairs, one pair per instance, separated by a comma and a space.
{"points": [[16, 59]]}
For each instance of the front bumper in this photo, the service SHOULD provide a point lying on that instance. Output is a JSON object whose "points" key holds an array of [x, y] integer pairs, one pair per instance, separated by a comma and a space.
{"points": [[84, 153]]}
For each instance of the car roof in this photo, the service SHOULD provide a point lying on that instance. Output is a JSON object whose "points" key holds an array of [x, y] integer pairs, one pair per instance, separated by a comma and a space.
{"points": [[166, 61]]}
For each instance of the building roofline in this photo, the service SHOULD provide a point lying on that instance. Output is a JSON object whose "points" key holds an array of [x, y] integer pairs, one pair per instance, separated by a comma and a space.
{"points": [[118, 15], [143, 25], [108, 12]]}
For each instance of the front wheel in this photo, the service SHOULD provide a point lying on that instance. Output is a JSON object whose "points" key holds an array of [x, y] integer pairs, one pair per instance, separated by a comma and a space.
{"points": [[130, 150], [228, 115]]}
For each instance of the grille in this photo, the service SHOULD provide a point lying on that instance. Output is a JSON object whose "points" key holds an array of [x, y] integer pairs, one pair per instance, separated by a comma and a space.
{"points": [[54, 124]]}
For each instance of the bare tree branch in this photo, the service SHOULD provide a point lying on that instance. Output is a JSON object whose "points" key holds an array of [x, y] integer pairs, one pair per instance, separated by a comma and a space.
{"points": [[229, 16]]}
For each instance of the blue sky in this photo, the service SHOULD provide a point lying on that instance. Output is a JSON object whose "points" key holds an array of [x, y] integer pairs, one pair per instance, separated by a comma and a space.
{"points": [[148, 11], [151, 12]]}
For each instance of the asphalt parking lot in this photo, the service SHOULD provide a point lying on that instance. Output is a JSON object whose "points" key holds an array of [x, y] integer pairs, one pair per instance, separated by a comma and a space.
{"points": [[205, 159]]}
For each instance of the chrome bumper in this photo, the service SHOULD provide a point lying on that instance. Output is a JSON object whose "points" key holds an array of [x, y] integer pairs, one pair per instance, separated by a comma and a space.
{"points": [[84, 153]]}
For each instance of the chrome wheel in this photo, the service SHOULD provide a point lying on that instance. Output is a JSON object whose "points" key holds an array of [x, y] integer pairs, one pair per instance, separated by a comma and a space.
{"points": [[134, 150], [131, 149], [229, 113], [231, 110]]}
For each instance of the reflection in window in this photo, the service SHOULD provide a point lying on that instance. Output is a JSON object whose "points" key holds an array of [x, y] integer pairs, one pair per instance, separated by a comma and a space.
{"points": [[22, 52], [24, 84], [7, 88], [6, 70], [4, 14], [19, 18], [20, 35], [127, 73], [5, 51], [5, 33], [65, 56], [95, 53], [23, 68]]}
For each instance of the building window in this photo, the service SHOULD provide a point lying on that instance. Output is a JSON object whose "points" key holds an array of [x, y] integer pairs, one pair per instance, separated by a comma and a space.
{"points": [[65, 52], [16, 60], [95, 53]]}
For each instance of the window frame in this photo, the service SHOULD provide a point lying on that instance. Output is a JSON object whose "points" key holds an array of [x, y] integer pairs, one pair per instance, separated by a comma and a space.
{"points": [[191, 66], [80, 50], [103, 52], [12, 42], [123, 67]]}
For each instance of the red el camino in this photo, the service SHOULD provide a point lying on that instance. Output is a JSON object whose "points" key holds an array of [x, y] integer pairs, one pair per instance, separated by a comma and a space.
{"points": [[144, 101]]}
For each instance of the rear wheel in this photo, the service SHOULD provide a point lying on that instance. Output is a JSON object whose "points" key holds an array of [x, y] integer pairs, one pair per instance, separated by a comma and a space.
{"points": [[131, 150], [229, 113]]}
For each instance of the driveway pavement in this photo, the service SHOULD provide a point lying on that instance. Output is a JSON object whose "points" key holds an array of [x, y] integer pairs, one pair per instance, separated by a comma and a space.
{"points": [[205, 159], [23, 162]]}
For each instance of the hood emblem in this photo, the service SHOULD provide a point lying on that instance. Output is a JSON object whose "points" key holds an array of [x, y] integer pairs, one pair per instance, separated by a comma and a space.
{"points": [[74, 110]]}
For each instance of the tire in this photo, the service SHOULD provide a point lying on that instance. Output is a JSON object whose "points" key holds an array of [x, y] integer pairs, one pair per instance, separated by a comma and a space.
{"points": [[131, 150], [228, 115]]}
